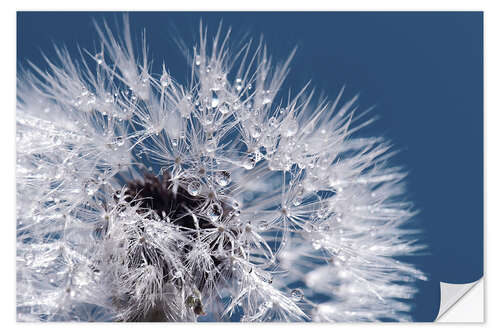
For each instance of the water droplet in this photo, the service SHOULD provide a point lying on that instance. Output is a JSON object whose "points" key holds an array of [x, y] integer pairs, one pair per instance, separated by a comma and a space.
{"points": [[90, 187], [185, 106], [323, 209], [207, 120], [236, 204], [29, 258], [99, 57], [109, 98], [297, 295], [268, 304], [165, 80], [289, 127], [57, 140], [177, 274], [70, 291], [219, 82], [273, 122], [249, 162], [338, 217], [119, 141], [265, 276], [223, 177], [215, 100], [236, 105], [224, 108], [244, 114], [267, 97], [238, 85], [255, 131], [214, 212], [194, 188], [316, 244], [308, 227], [210, 146], [323, 163], [197, 60]]}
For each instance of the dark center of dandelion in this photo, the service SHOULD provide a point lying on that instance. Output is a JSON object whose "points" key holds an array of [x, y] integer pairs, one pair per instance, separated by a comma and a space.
{"points": [[172, 203], [175, 205], [158, 194]]}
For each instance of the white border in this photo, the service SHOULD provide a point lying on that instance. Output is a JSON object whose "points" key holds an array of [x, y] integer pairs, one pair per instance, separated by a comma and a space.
{"points": [[492, 165], [216, 5]]}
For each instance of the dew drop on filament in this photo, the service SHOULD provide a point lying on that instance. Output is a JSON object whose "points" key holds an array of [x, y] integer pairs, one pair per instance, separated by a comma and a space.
{"points": [[223, 177], [273, 122], [267, 97], [214, 212], [224, 108], [239, 85], [215, 100], [29, 258], [164, 80], [249, 162], [236, 105], [255, 131], [99, 58], [289, 127], [236, 204], [194, 188], [119, 141], [296, 295]]}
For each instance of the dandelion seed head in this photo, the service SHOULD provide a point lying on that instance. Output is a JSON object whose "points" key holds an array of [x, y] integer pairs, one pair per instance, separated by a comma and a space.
{"points": [[144, 199]]}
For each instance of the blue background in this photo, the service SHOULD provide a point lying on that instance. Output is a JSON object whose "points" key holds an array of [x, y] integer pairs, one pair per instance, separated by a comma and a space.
{"points": [[422, 70]]}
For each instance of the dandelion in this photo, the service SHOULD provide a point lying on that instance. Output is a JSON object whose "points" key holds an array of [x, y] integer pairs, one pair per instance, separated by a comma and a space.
{"points": [[143, 199]]}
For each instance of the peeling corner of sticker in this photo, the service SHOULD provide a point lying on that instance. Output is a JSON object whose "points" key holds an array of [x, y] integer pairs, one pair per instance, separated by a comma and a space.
{"points": [[451, 293]]}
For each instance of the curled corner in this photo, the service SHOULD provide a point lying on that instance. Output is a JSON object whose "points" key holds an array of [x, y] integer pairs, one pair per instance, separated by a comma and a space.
{"points": [[451, 297]]}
